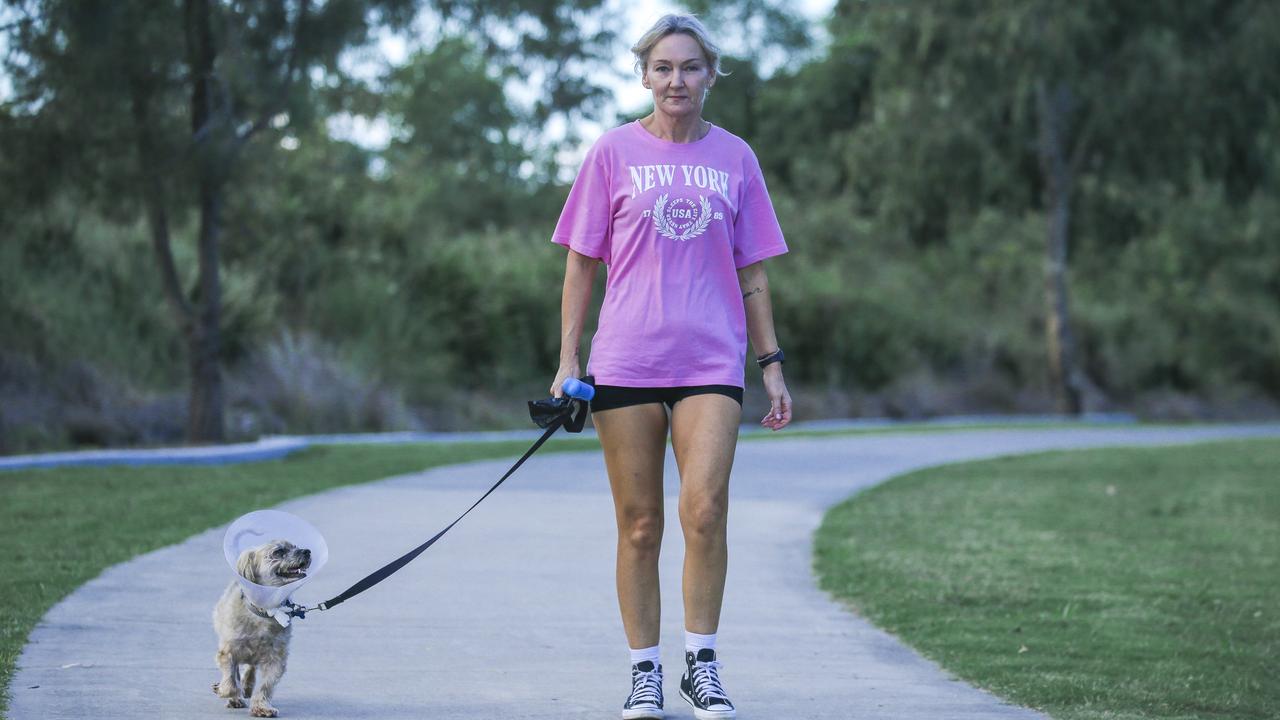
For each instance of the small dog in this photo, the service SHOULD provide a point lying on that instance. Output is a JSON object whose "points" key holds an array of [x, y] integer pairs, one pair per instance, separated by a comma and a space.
{"points": [[247, 636]]}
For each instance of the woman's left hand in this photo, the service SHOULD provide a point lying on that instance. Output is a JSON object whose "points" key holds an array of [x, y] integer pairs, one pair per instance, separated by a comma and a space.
{"points": [[779, 399]]}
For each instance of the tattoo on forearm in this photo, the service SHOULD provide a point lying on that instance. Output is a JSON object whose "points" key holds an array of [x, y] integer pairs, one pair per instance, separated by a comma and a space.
{"points": [[752, 291]]}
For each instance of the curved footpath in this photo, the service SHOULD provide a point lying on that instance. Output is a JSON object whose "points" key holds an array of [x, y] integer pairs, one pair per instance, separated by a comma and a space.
{"points": [[513, 615]]}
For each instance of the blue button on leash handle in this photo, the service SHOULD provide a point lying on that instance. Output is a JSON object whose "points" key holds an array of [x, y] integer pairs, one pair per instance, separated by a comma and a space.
{"points": [[575, 388]]}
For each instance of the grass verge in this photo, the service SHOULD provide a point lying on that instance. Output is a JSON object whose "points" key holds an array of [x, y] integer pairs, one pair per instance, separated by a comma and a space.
{"points": [[61, 527], [1118, 584]]}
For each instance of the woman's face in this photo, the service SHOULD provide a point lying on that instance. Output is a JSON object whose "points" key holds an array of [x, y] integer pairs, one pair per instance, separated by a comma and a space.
{"points": [[678, 75]]}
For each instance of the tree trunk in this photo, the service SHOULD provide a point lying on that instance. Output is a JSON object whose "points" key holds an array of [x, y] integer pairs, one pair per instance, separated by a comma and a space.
{"points": [[153, 198], [204, 341], [205, 422], [1064, 376]]}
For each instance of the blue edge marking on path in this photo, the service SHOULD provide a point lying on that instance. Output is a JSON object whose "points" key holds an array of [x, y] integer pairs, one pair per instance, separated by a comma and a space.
{"points": [[275, 447]]}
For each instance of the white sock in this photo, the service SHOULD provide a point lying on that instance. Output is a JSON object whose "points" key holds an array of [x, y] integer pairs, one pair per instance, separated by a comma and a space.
{"points": [[651, 654], [693, 642]]}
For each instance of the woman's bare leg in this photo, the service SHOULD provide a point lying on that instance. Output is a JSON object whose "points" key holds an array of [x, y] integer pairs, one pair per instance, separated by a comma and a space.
{"points": [[634, 439], [704, 435]]}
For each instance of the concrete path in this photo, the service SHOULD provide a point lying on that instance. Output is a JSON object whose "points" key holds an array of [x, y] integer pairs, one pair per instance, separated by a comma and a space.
{"points": [[513, 614]]}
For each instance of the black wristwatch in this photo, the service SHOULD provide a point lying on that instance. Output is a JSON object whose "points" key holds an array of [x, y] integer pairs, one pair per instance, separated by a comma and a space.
{"points": [[774, 357]]}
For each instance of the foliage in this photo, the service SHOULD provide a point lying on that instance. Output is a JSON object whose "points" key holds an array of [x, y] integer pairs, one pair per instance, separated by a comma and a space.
{"points": [[907, 165], [901, 156]]}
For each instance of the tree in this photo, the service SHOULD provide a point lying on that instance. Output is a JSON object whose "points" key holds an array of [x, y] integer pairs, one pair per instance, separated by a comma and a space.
{"points": [[230, 73], [982, 144], [128, 65], [758, 36]]}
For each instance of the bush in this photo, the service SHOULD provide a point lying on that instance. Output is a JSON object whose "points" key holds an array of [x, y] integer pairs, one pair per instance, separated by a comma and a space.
{"points": [[297, 383], [79, 405]]}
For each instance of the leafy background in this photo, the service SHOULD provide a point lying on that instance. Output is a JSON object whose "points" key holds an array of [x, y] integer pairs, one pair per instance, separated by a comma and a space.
{"points": [[413, 285]]}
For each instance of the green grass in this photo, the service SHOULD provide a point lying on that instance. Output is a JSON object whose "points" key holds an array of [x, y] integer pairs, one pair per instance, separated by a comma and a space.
{"points": [[1124, 583], [61, 527]]}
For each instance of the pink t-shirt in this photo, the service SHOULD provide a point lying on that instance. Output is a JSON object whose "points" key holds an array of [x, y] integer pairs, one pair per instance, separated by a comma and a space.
{"points": [[673, 222]]}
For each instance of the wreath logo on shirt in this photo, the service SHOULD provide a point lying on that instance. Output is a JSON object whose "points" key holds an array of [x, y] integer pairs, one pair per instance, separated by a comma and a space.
{"points": [[681, 219]]}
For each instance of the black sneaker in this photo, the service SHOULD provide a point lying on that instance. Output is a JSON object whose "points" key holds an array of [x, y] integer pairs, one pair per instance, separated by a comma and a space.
{"points": [[645, 700], [700, 687]]}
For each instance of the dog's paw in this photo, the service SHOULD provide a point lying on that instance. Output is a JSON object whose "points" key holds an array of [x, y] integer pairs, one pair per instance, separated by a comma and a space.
{"points": [[263, 711], [235, 703]]}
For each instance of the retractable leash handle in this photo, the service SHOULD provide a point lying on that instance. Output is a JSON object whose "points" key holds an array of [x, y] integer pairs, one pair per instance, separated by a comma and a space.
{"points": [[580, 393], [571, 407], [551, 413]]}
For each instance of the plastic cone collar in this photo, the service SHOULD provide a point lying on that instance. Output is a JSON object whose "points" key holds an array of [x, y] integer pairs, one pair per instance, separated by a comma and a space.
{"points": [[262, 526]]}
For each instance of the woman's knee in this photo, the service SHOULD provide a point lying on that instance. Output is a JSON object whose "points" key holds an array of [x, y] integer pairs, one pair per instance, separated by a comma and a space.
{"points": [[704, 517], [642, 530]]}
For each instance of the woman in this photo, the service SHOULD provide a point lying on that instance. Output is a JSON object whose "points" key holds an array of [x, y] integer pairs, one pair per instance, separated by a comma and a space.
{"points": [[678, 211]]}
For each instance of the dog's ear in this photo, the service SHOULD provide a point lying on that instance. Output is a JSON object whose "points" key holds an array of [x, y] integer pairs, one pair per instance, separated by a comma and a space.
{"points": [[247, 565]]}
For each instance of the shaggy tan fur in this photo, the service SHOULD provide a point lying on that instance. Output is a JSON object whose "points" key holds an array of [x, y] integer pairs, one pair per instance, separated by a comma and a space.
{"points": [[259, 645]]}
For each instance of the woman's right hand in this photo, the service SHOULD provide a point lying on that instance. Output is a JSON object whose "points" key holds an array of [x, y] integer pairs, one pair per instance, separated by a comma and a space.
{"points": [[567, 370]]}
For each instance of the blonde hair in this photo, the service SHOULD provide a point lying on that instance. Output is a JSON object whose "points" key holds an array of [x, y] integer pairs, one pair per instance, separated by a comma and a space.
{"points": [[668, 25]]}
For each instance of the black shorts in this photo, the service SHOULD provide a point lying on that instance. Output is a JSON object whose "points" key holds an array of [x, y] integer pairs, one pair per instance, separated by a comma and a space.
{"points": [[609, 397]]}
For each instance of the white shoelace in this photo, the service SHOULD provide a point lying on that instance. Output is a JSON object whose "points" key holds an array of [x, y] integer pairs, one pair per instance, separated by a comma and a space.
{"points": [[706, 682], [646, 688]]}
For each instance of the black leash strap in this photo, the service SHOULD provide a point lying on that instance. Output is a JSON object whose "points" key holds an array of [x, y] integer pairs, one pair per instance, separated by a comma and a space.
{"points": [[564, 417]]}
